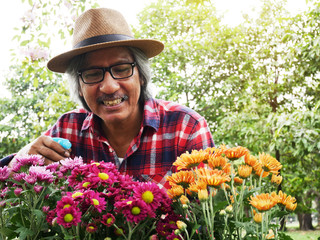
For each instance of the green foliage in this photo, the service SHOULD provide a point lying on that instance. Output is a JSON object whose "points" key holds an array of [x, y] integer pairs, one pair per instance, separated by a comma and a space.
{"points": [[257, 84], [38, 96]]}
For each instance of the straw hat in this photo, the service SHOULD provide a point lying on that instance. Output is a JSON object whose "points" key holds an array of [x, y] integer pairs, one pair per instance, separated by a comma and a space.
{"points": [[101, 28]]}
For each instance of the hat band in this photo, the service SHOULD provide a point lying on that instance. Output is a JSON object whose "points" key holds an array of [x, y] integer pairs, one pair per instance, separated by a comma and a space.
{"points": [[102, 39]]}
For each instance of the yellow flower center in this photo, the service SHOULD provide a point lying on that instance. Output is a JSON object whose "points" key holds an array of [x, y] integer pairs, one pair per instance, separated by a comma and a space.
{"points": [[129, 202], [147, 196], [67, 206], [86, 184], [95, 163], [109, 220], [68, 217], [103, 176], [77, 194], [135, 210], [95, 202]]}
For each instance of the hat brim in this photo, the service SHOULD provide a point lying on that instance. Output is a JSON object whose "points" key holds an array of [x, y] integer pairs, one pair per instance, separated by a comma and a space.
{"points": [[61, 62]]}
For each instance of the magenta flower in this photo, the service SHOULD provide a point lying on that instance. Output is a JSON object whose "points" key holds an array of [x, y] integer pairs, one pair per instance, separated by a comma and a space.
{"points": [[53, 167], [68, 217], [77, 176], [93, 199], [69, 164], [38, 188], [150, 193], [41, 174], [26, 161], [135, 210], [4, 173], [18, 191], [19, 176], [91, 228], [108, 219], [3, 204], [30, 179], [66, 202]]}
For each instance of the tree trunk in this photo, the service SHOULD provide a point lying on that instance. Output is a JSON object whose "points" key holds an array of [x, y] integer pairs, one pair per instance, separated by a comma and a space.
{"points": [[305, 221]]}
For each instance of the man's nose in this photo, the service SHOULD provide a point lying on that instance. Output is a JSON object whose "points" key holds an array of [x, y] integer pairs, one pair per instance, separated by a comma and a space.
{"points": [[109, 84]]}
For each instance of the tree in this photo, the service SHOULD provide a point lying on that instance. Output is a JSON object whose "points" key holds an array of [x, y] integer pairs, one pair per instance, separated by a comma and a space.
{"points": [[39, 96], [244, 80]]}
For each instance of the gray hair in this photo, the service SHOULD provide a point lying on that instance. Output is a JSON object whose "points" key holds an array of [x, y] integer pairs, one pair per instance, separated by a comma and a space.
{"points": [[143, 65]]}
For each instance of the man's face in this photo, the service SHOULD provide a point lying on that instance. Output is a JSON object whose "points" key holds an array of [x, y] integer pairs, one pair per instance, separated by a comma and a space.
{"points": [[114, 101]]}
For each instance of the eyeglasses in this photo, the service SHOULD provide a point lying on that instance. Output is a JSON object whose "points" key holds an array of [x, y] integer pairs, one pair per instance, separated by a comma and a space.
{"points": [[96, 74]]}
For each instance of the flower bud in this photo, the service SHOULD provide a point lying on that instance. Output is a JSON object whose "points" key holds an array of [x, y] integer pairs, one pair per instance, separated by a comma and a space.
{"points": [[222, 213], [181, 225], [229, 209], [203, 195]]}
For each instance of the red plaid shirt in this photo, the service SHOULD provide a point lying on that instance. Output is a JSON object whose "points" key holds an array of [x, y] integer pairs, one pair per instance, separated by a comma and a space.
{"points": [[167, 131]]}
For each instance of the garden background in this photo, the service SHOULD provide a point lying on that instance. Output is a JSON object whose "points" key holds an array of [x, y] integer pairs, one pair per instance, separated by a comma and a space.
{"points": [[256, 83]]}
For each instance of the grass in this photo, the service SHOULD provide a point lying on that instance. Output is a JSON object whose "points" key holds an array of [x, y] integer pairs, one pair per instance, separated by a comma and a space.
{"points": [[304, 235]]}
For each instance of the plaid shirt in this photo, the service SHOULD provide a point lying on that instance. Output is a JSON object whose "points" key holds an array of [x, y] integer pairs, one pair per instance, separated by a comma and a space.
{"points": [[167, 131]]}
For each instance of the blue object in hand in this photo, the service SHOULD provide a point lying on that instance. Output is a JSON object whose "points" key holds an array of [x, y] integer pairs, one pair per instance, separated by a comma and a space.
{"points": [[65, 143]]}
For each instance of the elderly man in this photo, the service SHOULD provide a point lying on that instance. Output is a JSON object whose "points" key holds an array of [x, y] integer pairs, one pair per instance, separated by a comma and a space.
{"points": [[109, 74]]}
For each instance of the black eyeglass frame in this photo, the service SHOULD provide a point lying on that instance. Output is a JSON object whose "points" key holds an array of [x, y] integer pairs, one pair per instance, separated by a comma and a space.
{"points": [[104, 70]]}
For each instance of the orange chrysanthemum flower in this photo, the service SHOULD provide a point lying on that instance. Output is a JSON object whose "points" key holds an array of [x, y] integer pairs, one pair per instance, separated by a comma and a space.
{"points": [[236, 152], [191, 160], [258, 170], [213, 177], [238, 181], [244, 171], [216, 152], [269, 163], [286, 200], [184, 200], [175, 192], [277, 179], [257, 217], [263, 202], [183, 178], [197, 185], [251, 160]]}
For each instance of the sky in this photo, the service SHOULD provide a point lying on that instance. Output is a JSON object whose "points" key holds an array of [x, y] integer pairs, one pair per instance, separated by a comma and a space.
{"points": [[12, 11]]}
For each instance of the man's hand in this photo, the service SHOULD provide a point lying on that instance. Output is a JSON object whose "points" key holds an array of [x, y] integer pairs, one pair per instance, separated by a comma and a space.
{"points": [[46, 147]]}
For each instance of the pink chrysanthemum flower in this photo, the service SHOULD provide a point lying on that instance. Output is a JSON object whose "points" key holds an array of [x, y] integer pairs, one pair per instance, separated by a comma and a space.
{"points": [[4, 192], [30, 179], [149, 193], [51, 215], [27, 161], [77, 176], [93, 199], [167, 224], [3, 204], [108, 219], [53, 167], [68, 217], [45, 209], [19, 177], [4, 173], [135, 210], [41, 174], [173, 236], [65, 202], [18, 191], [69, 164], [91, 228], [100, 176], [76, 195], [38, 188]]}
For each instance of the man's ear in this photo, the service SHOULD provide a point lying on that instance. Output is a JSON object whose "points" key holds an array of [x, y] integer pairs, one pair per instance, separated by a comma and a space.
{"points": [[80, 92]]}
